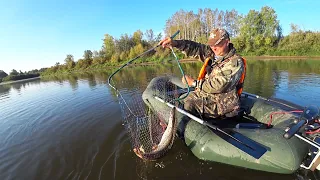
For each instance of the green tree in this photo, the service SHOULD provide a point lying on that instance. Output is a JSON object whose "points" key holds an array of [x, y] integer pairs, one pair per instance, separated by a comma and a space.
{"points": [[88, 57], [137, 37], [150, 36], [108, 46], [3, 74], [231, 20], [125, 43], [115, 58], [35, 71], [259, 30], [269, 21], [135, 51], [14, 72], [69, 61], [82, 64]]}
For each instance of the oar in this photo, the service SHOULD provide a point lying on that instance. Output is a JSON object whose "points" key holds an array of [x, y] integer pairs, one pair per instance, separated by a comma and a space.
{"points": [[245, 144], [270, 100]]}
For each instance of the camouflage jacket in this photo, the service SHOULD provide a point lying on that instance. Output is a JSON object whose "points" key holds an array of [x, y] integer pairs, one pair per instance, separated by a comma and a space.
{"points": [[222, 78]]}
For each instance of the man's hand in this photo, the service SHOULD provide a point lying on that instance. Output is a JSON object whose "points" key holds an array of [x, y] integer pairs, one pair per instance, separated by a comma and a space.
{"points": [[189, 80], [167, 42]]}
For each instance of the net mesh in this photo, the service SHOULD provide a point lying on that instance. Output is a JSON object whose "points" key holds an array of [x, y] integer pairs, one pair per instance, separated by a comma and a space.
{"points": [[146, 126], [151, 131]]}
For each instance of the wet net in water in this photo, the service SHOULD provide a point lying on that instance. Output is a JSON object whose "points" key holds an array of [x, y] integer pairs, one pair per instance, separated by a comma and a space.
{"points": [[150, 133]]}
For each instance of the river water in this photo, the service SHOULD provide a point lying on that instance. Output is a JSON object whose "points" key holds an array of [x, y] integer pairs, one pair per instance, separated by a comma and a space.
{"points": [[70, 127]]}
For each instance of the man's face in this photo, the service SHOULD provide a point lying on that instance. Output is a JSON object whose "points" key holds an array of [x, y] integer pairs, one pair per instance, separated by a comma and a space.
{"points": [[221, 48]]}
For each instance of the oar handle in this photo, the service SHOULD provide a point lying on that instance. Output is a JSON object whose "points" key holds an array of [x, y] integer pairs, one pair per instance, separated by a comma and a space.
{"points": [[267, 99], [238, 140], [190, 115], [195, 118], [182, 111]]}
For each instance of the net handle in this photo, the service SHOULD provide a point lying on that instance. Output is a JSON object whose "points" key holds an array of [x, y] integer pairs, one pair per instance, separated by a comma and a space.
{"points": [[130, 61], [182, 72]]}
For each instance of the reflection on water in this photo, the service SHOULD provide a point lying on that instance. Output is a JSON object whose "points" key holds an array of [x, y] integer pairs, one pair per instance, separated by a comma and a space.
{"points": [[292, 80], [70, 127]]}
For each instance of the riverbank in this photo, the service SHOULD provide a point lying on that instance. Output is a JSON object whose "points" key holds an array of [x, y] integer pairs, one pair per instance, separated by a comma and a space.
{"points": [[264, 58], [283, 57], [273, 58], [186, 60], [22, 80]]}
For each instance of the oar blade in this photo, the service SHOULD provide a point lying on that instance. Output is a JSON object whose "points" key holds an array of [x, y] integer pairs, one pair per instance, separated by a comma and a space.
{"points": [[242, 142]]}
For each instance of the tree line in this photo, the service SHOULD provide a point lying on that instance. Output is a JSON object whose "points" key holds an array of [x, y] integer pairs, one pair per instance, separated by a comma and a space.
{"points": [[256, 33], [114, 52], [14, 75]]}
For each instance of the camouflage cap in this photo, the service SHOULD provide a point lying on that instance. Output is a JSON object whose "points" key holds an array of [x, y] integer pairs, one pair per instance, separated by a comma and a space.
{"points": [[216, 36]]}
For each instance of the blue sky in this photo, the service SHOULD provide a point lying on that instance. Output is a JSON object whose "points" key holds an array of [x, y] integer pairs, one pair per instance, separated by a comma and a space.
{"points": [[39, 33]]}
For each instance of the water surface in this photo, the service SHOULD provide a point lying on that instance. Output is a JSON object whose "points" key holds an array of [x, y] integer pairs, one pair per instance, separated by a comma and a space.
{"points": [[70, 127]]}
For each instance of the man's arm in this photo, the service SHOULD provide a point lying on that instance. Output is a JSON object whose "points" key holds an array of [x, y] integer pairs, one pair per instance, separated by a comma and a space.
{"points": [[194, 49]]}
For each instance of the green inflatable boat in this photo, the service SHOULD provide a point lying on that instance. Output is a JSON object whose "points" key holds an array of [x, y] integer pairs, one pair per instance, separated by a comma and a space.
{"points": [[219, 142]]}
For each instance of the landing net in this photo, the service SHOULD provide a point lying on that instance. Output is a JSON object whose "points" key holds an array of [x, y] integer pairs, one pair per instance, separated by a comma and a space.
{"points": [[149, 130]]}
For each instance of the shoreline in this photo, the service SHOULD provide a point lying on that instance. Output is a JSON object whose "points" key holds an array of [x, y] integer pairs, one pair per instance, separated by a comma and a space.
{"points": [[186, 60], [273, 57], [266, 58], [262, 58], [22, 80], [283, 57]]}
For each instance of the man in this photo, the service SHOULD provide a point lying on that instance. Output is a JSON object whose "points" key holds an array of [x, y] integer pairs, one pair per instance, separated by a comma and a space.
{"points": [[219, 84]]}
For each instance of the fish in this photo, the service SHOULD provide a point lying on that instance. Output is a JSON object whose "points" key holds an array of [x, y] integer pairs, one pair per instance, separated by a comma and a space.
{"points": [[166, 141]]}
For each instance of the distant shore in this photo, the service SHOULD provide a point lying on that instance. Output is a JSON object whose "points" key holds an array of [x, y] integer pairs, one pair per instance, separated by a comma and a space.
{"points": [[185, 60], [264, 58], [22, 80], [275, 57], [283, 57]]}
